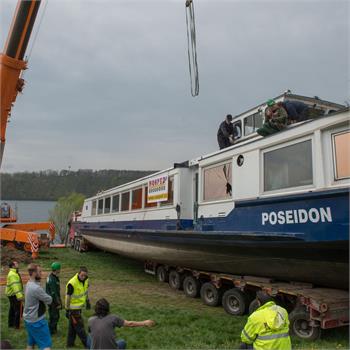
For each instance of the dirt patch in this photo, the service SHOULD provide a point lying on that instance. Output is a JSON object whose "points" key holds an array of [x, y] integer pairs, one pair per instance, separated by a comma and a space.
{"points": [[9, 254]]}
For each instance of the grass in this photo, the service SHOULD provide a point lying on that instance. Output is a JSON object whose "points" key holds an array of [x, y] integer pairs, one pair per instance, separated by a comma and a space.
{"points": [[182, 323]]}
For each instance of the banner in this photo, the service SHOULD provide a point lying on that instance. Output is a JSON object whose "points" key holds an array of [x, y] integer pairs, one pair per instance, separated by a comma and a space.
{"points": [[158, 189]]}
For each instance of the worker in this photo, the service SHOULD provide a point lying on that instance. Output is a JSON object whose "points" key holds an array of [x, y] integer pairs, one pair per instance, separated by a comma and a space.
{"points": [[299, 111], [276, 119], [14, 291], [101, 327], [53, 289], [34, 311], [76, 298], [225, 133], [5, 210], [267, 328]]}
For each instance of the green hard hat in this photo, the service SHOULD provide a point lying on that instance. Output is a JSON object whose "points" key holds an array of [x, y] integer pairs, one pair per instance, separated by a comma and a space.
{"points": [[270, 103], [55, 266]]}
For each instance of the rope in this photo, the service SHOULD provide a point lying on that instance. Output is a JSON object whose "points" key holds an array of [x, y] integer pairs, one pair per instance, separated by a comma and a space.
{"points": [[192, 48], [35, 36]]}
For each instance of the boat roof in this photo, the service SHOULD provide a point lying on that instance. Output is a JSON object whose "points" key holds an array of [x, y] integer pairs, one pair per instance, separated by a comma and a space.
{"points": [[256, 137], [250, 139], [289, 96]]}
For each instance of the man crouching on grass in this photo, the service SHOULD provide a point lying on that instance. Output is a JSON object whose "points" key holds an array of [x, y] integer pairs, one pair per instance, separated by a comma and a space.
{"points": [[101, 327]]}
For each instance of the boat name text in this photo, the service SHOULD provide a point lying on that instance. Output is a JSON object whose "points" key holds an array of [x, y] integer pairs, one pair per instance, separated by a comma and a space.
{"points": [[297, 216]]}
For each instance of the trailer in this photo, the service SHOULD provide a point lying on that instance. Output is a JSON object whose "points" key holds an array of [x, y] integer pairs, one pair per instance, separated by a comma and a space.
{"points": [[311, 309]]}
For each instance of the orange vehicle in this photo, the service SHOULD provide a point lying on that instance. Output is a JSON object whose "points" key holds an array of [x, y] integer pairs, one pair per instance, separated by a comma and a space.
{"points": [[24, 236], [12, 61]]}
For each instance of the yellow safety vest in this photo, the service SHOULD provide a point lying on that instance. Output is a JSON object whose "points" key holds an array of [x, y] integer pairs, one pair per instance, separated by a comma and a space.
{"points": [[268, 328], [80, 293], [14, 284]]}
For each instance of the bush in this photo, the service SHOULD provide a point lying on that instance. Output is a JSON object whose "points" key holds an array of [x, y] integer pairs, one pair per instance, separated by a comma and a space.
{"points": [[62, 212]]}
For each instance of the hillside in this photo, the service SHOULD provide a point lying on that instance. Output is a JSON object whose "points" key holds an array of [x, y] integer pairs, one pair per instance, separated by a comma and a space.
{"points": [[50, 184]]}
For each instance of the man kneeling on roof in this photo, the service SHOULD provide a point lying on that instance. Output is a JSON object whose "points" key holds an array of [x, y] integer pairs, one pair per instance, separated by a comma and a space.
{"points": [[268, 327], [276, 119]]}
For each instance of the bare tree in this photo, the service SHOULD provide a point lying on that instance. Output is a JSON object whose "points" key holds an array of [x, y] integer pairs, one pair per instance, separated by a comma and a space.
{"points": [[62, 212]]}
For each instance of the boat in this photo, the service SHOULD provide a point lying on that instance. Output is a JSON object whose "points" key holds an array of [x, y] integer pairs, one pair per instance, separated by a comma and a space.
{"points": [[275, 206]]}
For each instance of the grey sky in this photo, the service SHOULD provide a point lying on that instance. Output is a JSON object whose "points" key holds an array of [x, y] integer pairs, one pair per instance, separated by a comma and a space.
{"points": [[108, 81]]}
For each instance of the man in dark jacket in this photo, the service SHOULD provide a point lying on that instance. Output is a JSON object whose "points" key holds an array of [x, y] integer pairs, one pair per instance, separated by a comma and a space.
{"points": [[225, 133], [53, 289], [299, 111]]}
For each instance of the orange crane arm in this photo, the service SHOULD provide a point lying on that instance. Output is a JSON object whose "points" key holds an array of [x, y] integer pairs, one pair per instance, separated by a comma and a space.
{"points": [[12, 63], [35, 226], [29, 240]]}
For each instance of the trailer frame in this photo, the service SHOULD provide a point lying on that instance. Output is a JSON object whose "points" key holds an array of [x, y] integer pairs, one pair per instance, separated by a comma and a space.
{"points": [[311, 309]]}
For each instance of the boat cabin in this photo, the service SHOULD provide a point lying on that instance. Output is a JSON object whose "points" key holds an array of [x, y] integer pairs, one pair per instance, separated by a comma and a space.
{"points": [[242, 187]]}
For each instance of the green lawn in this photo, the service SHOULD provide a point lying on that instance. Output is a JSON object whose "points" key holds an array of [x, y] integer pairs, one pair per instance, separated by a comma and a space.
{"points": [[134, 295]]}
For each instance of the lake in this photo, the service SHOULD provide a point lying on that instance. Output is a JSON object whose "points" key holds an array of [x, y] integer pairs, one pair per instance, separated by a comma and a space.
{"points": [[31, 211]]}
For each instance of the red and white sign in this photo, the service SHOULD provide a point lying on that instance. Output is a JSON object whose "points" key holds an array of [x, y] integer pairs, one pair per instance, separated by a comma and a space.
{"points": [[158, 189]]}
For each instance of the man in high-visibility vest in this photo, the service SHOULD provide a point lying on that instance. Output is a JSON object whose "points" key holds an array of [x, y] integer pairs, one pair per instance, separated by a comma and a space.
{"points": [[14, 291], [268, 327], [76, 298]]}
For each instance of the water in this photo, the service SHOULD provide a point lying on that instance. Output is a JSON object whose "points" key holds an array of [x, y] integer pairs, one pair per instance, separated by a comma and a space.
{"points": [[31, 211]]}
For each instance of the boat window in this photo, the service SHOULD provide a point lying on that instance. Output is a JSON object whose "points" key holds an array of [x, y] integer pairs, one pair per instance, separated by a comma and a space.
{"points": [[136, 199], [107, 209], [289, 166], [170, 200], [217, 182], [93, 212], [148, 205], [125, 201], [237, 130], [341, 152], [253, 123], [100, 206], [115, 203]]}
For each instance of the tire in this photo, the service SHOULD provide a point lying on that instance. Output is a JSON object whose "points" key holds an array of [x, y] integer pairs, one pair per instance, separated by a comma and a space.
{"points": [[210, 295], [235, 302], [299, 325], [191, 287], [77, 245], [253, 306], [162, 274], [11, 245], [175, 280]]}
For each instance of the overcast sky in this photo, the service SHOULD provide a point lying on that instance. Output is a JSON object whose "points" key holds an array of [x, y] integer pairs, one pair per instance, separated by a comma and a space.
{"points": [[108, 81]]}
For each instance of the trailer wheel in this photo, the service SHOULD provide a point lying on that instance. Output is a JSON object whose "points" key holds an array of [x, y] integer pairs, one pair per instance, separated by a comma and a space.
{"points": [[77, 245], [235, 302], [210, 295], [175, 280], [191, 287], [300, 325], [162, 274]]}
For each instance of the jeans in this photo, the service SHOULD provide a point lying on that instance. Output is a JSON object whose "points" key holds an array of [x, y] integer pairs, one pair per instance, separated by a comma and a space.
{"points": [[121, 343], [76, 327]]}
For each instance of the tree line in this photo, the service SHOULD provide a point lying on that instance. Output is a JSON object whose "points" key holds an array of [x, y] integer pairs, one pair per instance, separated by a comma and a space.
{"points": [[52, 184]]}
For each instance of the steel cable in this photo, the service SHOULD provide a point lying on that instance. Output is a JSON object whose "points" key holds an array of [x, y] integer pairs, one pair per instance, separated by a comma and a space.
{"points": [[192, 48]]}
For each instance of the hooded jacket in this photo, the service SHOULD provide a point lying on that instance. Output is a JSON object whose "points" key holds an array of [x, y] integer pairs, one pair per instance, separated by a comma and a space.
{"points": [[268, 328]]}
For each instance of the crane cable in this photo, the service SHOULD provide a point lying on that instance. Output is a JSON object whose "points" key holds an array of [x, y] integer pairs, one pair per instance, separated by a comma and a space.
{"points": [[192, 47], [35, 35]]}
